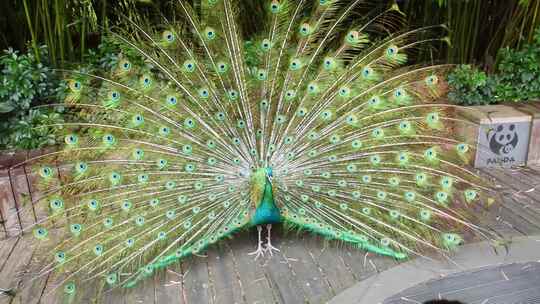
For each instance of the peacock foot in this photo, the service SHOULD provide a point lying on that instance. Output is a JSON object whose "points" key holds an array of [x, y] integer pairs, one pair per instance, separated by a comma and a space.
{"points": [[269, 246], [259, 252], [260, 249]]}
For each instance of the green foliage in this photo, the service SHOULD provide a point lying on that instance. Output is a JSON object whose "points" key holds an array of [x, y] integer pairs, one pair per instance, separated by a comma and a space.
{"points": [[517, 78], [27, 83], [23, 80], [470, 86], [519, 72]]}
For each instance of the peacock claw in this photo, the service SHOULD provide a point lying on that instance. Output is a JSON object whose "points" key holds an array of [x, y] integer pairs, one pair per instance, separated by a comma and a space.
{"points": [[259, 252], [270, 248], [260, 249]]}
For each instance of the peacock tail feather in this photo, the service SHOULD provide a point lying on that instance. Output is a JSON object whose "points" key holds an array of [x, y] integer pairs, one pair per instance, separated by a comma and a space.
{"points": [[171, 150]]}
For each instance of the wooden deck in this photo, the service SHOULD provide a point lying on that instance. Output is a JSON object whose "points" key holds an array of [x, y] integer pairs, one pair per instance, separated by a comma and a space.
{"points": [[307, 270]]}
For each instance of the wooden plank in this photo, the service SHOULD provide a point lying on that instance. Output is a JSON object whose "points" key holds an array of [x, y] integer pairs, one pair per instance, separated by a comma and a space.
{"points": [[32, 286], [225, 284], [6, 248], [314, 285], [364, 264], [196, 281], [255, 285], [332, 265], [492, 220], [169, 285], [280, 273], [114, 296], [509, 179], [513, 221], [14, 267], [143, 292], [528, 215]]}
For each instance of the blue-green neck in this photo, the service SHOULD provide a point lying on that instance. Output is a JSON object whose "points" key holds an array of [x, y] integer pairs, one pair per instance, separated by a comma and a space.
{"points": [[267, 212]]}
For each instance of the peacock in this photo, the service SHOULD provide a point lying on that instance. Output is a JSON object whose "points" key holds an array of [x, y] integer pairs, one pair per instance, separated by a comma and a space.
{"points": [[317, 123]]}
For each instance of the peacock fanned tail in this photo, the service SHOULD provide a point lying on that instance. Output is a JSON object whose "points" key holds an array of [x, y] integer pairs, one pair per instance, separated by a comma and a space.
{"points": [[164, 157]]}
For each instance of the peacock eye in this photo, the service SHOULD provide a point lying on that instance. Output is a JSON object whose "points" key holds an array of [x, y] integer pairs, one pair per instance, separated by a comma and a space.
{"points": [[168, 36], [189, 65], [172, 100], [232, 94], [69, 288], [210, 33], [75, 85], [222, 67], [305, 29], [392, 50], [203, 93], [432, 80], [275, 7]]}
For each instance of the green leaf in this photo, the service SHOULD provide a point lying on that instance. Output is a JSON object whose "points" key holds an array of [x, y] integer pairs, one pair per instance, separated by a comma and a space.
{"points": [[6, 107]]}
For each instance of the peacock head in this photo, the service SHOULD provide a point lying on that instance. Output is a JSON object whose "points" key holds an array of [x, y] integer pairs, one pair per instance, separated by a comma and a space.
{"points": [[269, 172]]}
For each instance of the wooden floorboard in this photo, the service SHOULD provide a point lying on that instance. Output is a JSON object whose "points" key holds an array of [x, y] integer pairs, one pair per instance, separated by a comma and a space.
{"points": [[314, 286], [281, 276], [307, 270]]}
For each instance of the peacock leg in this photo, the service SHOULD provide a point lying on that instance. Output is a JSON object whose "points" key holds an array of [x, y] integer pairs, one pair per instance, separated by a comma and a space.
{"points": [[269, 246], [260, 249]]}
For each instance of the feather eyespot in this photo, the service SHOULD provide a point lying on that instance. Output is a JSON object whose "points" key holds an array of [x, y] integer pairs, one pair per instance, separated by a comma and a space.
{"points": [[392, 51], [69, 288], [353, 37], [305, 29], [172, 100], [189, 66], [266, 45], [210, 33], [432, 80], [126, 66], [275, 7], [75, 85], [168, 36], [295, 64]]}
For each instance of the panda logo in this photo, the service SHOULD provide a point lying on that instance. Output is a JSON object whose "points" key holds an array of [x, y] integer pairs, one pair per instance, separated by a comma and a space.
{"points": [[503, 139]]}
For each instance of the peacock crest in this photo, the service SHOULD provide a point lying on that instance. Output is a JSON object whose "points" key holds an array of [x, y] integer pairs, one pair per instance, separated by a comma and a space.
{"points": [[317, 123]]}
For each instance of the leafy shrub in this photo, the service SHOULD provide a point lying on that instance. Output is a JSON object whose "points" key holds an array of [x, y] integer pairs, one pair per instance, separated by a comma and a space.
{"points": [[25, 83], [469, 86], [517, 78], [518, 72]]}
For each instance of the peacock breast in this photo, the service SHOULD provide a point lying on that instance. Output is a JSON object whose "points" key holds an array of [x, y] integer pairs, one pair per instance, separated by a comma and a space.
{"points": [[265, 214]]}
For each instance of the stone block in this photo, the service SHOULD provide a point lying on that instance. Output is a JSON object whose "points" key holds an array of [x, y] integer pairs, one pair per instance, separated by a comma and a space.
{"points": [[500, 133]]}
